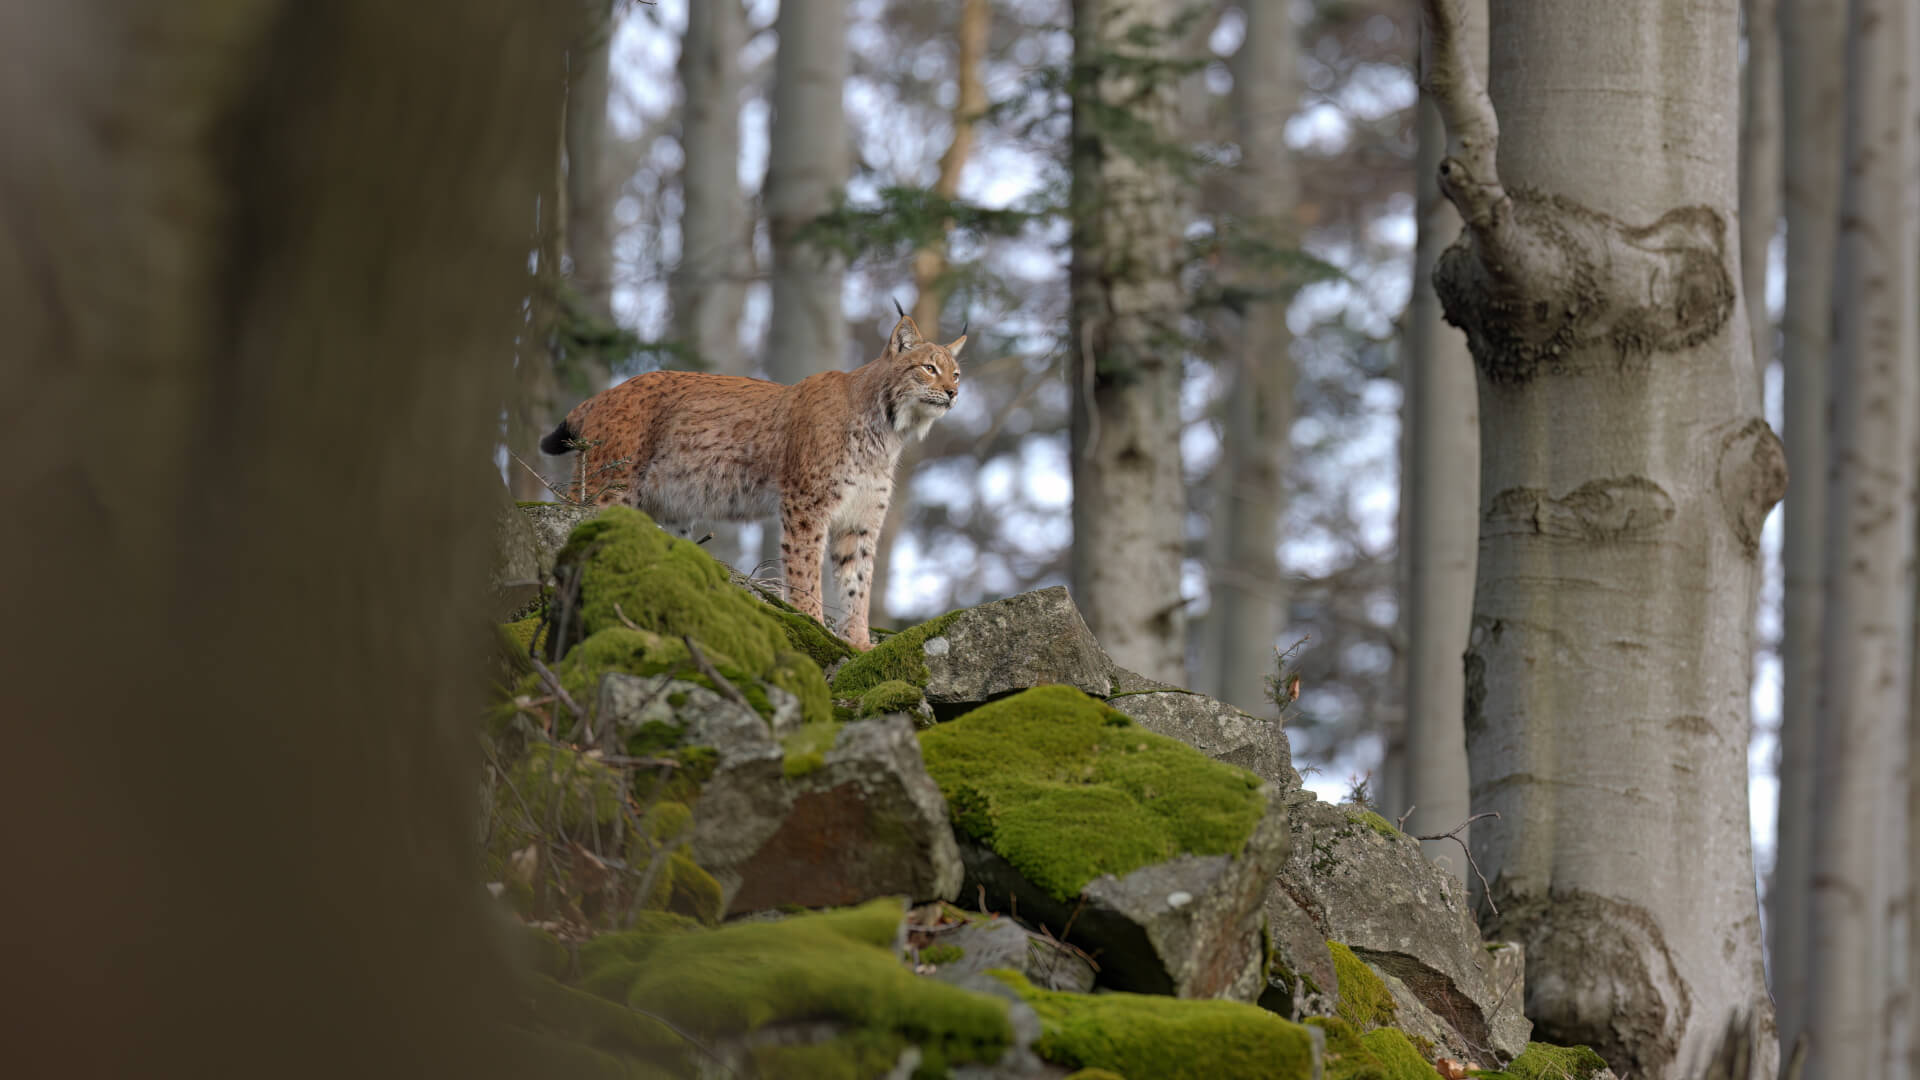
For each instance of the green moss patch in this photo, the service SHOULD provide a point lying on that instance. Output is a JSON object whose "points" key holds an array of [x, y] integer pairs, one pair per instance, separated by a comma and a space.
{"points": [[832, 966], [1362, 816], [901, 657], [942, 954], [1544, 1061], [1066, 789], [894, 695], [1365, 1001], [1145, 1035], [1382, 1054], [806, 749]]}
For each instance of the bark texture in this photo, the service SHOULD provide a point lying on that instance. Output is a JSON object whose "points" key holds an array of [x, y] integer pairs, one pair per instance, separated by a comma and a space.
{"points": [[1813, 42], [1625, 473], [1441, 487], [1249, 594], [806, 168], [709, 283], [1858, 849], [1129, 504], [253, 259]]}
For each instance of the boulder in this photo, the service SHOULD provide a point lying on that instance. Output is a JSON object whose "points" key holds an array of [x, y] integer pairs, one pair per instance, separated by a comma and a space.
{"points": [[702, 717], [1362, 882], [983, 945], [514, 580], [986, 652], [1133, 846], [866, 822], [1217, 730], [550, 524]]}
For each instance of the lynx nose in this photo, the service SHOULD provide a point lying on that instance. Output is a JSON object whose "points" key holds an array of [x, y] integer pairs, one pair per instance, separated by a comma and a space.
{"points": [[952, 393]]}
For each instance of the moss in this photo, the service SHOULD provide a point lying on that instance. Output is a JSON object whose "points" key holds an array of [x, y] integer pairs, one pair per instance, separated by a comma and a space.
{"points": [[942, 954], [860, 1055], [900, 657], [1146, 1035], [894, 695], [1382, 1054], [1372, 820], [587, 1018], [836, 966], [801, 677], [810, 638], [522, 633], [1094, 1074], [1544, 1061], [1365, 1001], [579, 791], [806, 749], [1066, 789], [685, 889], [668, 821]]}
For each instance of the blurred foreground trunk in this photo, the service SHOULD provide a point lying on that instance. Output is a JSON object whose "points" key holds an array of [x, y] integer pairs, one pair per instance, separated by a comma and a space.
{"points": [[261, 265]]}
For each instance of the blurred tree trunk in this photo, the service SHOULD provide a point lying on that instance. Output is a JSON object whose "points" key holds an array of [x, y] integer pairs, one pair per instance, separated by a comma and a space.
{"points": [[807, 167], [1441, 486], [1129, 502], [930, 262], [709, 282], [589, 190], [248, 395], [1858, 860], [1249, 594], [1760, 107], [1625, 474], [1812, 36]]}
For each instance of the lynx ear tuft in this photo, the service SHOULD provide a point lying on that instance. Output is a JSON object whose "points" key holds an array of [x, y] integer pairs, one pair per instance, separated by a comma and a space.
{"points": [[959, 343], [905, 336]]}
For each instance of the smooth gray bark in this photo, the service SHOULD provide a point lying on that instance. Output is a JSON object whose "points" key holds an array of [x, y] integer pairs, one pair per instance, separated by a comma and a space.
{"points": [[1858, 858], [1625, 474], [1129, 499], [1812, 36], [1759, 171], [708, 285], [1249, 593], [1441, 486]]}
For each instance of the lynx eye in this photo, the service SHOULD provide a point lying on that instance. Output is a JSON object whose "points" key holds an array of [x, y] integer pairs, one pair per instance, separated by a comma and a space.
{"points": [[931, 368]]}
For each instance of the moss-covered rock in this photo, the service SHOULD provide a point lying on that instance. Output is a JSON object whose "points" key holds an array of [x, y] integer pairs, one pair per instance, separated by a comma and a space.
{"points": [[574, 790], [1141, 1035], [1364, 1000], [900, 658], [839, 966], [1381, 1054], [1544, 1061], [895, 695], [1065, 789]]}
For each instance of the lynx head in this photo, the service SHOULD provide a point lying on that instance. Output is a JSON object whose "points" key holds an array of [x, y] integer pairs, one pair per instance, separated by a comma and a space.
{"points": [[926, 377]]}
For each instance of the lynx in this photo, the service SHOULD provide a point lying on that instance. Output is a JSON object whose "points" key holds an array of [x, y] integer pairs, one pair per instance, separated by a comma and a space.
{"points": [[820, 453]]}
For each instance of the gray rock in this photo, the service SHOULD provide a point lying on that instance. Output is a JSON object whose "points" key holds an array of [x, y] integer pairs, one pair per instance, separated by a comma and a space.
{"points": [[1189, 927], [1003, 943], [868, 822], [704, 717], [551, 524], [515, 577], [1365, 884], [1012, 644], [1301, 981], [1218, 730]]}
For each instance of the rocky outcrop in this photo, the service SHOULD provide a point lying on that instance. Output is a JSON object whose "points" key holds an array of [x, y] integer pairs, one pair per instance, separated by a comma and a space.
{"points": [[978, 946], [1217, 730]]}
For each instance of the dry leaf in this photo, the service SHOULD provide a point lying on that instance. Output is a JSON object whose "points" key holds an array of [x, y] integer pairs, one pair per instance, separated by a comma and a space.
{"points": [[1451, 1069]]}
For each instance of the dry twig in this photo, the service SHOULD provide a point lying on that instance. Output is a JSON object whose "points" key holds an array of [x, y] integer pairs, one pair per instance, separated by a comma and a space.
{"points": [[1453, 834], [727, 690]]}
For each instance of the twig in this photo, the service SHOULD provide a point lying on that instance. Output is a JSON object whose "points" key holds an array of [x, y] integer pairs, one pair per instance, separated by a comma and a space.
{"points": [[622, 616], [1469, 174], [1454, 835], [720, 683], [552, 682], [1401, 822], [543, 480]]}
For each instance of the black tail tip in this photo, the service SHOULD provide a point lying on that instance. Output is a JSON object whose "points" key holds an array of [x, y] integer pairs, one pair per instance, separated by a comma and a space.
{"points": [[560, 441]]}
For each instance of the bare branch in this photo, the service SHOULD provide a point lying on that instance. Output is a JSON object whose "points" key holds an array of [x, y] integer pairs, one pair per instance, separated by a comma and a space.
{"points": [[727, 690], [1469, 175], [1454, 835]]}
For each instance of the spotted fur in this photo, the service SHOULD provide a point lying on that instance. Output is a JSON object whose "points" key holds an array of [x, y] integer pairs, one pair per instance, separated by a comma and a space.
{"points": [[683, 445]]}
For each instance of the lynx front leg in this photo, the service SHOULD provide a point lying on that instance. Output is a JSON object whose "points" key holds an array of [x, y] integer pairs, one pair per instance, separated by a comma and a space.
{"points": [[803, 541], [853, 571]]}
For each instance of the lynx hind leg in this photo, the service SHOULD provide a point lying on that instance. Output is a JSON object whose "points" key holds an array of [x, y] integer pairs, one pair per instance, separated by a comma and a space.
{"points": [[852, 552], [803, 542]]}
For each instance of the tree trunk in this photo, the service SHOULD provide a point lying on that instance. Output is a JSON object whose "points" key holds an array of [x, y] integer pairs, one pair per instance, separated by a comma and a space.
{"points": [[1442, 486], [708, 284], [1249, 594], [1129, 502], [930, 262], [1858, 861], [1625, 474], [589, 192], [254, 260], [1812, 35], [1759, 172], [807, 166]]}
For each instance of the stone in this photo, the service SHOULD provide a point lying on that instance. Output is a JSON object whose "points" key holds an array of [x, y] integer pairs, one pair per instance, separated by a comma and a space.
{"points": [[1189, 926], [515, 576], [1301, 981], [1217, 730], [1027, 640], [551, 524], [867, 822], [704, 717], [1365, 884], [1002, 943]]}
